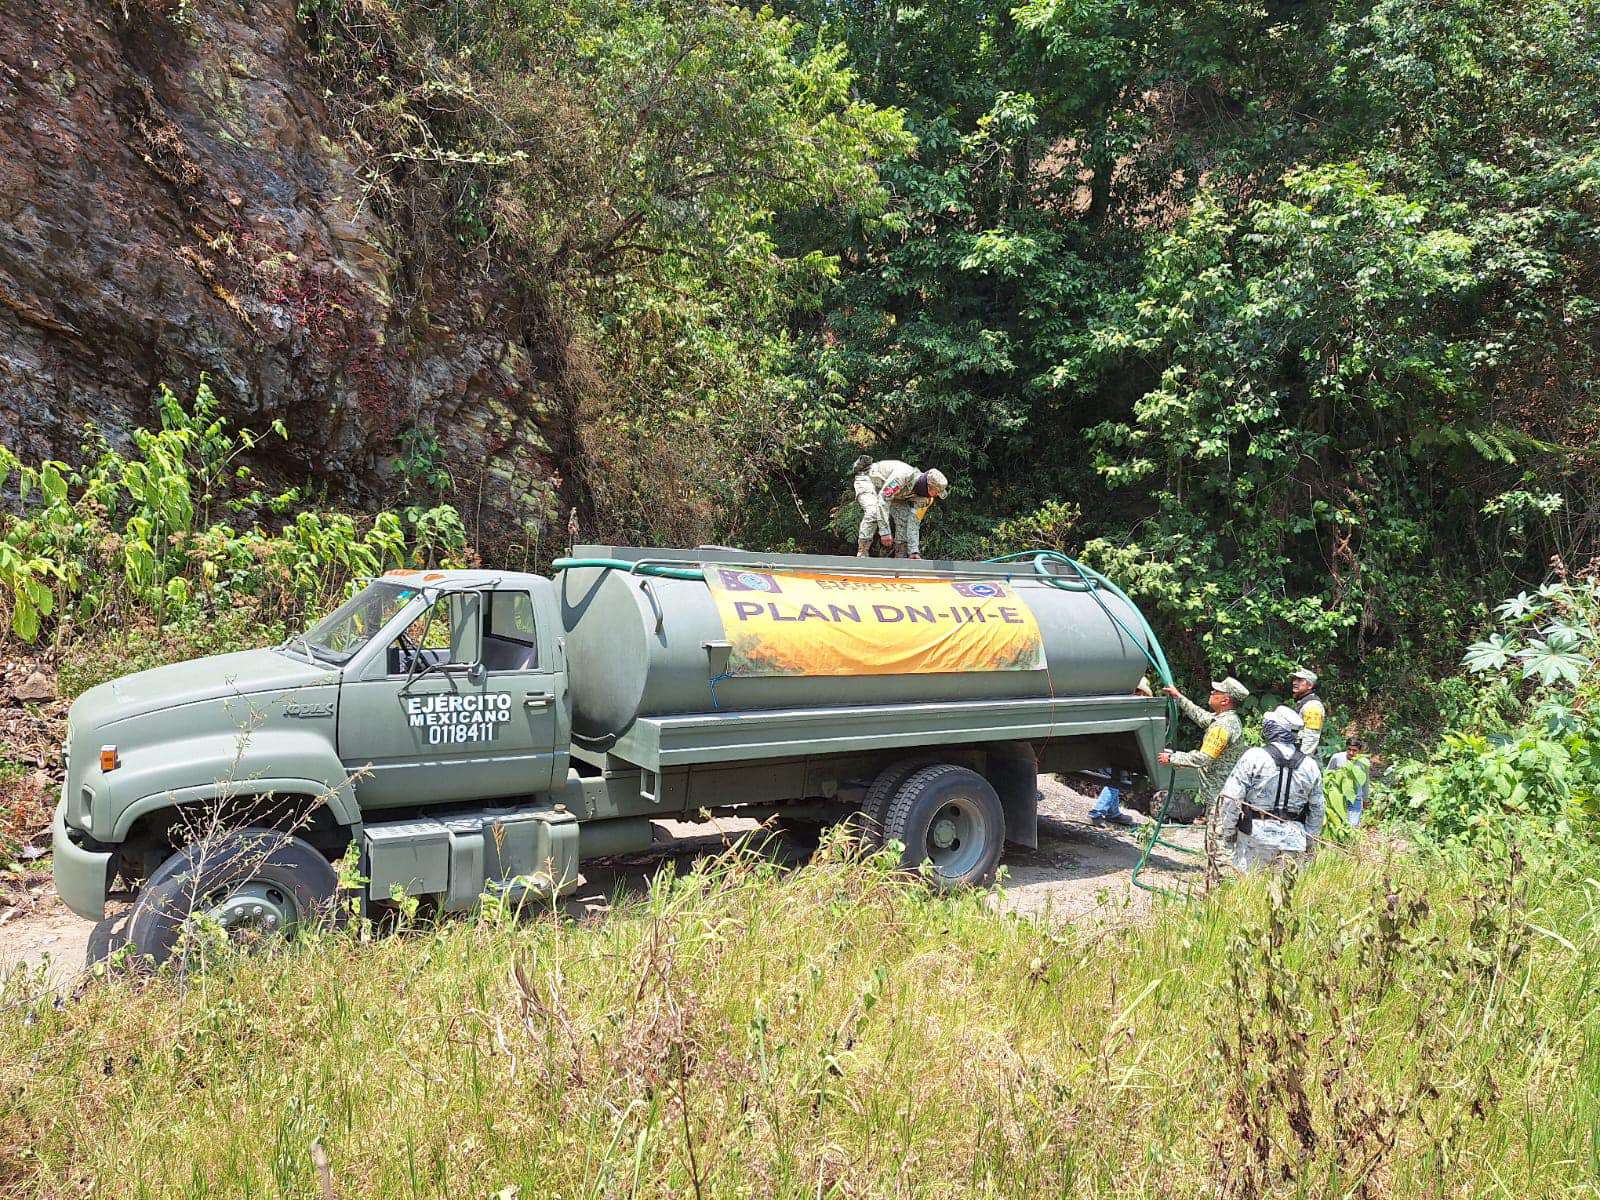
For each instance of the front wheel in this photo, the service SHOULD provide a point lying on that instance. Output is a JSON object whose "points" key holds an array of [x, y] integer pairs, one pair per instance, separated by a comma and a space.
{"points": [[251, 884], [949, 817]]}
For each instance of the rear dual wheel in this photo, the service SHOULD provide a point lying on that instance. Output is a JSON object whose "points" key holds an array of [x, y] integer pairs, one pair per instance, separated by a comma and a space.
{"points": [[881, 793], [949, 818]]}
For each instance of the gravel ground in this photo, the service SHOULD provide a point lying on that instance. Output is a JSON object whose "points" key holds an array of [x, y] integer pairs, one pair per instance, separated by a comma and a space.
{"points": [[1083, 873]]}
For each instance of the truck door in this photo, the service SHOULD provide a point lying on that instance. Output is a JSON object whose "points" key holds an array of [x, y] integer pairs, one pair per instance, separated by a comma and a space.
{"points": [[465, 705]]}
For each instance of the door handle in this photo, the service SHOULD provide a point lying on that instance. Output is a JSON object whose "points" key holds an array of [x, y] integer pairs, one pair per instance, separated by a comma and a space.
{"points": [[536, 700]]}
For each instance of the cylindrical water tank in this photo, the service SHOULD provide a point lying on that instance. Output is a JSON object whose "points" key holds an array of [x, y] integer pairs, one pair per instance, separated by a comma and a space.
{"points": [[641, 645]]}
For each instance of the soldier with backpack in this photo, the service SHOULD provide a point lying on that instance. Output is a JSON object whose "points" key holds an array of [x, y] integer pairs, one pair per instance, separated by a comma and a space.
{"points": [[1272, 802]]}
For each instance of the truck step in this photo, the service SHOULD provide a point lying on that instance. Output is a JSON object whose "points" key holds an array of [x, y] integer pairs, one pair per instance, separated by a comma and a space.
{"points": [[532, 853]]}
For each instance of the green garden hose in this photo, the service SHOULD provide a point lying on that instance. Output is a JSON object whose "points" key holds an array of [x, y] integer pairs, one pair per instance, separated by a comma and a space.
{"points": [[622, 564], [1089, 580]]}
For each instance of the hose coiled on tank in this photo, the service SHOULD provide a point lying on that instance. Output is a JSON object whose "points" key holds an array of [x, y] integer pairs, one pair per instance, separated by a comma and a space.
{"points": [[660, 570]]}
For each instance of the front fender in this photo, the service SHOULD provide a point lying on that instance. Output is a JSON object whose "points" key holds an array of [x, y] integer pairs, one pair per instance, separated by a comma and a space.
{"points": [[341, 803], [221, 766]]}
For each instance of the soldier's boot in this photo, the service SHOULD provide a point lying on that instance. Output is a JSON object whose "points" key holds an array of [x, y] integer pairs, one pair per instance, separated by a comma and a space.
{"points": [[863, 549]]}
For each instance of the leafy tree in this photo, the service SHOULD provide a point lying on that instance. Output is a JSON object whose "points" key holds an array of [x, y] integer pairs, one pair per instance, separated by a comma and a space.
{"points": [[624, 163], [1295, 302]]}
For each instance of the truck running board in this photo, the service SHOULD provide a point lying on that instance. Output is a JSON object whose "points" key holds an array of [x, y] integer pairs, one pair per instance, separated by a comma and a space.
{"points": [[530, 854]]}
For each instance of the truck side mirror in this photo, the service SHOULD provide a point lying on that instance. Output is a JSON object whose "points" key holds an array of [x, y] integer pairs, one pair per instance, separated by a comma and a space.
{"points": [[466, 629]]}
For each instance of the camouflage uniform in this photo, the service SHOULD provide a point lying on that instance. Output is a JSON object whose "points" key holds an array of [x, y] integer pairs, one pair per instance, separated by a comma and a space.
{"points": [[1314, 715], [888, 505], [1219, 751], [873, 523], [907, 517]]}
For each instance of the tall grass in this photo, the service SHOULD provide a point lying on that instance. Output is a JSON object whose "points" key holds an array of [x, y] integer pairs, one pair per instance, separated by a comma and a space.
{"points": [[1405, 1028]]}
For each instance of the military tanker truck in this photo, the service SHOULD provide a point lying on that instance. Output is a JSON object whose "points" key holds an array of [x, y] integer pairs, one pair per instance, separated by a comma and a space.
{"points": [[467, 730]]}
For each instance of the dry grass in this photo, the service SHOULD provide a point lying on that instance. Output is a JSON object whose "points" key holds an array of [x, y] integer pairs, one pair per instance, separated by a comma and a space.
{"points": [[1400, 1029]]}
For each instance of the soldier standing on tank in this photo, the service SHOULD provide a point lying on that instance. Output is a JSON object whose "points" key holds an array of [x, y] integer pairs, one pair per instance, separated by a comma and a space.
{"points": [[894, 497], [1303, 686], [1219, 750], [867, 497]]}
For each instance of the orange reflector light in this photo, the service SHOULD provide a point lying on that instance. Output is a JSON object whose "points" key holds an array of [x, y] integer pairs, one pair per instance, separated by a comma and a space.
{"points": [[108, 758]]}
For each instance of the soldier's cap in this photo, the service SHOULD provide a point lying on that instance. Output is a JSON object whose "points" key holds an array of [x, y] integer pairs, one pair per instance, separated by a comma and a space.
{"points": [[1285, 716], [1232, 688], [936, 479], [861, 464], [1307, 674]]}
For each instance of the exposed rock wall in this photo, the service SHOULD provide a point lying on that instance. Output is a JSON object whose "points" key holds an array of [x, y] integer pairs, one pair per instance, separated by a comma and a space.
{"points": [[175, 199]]}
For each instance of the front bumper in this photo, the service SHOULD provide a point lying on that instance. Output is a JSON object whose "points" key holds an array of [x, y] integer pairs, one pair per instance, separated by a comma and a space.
{"points": [[81, 874]]}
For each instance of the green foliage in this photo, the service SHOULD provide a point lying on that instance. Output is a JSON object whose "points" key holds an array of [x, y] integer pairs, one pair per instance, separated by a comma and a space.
{"points": [[1474, 788], [1545, 651], [145, 535], [625, 163], [1053, 525], [421, 460], [1352, 1032], [1527, 762], [1340, 787], [190, 632], [1296, 305]]}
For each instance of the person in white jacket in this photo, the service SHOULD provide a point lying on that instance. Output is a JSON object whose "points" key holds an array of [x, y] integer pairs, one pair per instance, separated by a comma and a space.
{"points": [[1272, 802]]}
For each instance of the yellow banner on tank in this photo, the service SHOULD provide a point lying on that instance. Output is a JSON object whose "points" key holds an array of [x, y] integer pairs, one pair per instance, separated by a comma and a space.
{"points": [[812, 623]]}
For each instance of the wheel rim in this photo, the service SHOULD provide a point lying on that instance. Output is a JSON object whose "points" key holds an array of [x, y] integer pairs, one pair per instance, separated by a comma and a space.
{"points": [[957, 838], [254, 910]]}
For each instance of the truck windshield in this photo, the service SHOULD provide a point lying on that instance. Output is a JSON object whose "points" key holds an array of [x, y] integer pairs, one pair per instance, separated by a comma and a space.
{"points": [[340, 634]]}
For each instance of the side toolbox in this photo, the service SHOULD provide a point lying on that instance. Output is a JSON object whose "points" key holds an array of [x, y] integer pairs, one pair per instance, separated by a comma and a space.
{"points": [[533, 853]]}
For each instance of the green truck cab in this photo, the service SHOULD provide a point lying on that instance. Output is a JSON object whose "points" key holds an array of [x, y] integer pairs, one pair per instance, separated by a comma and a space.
{"points": [[469, 730]]}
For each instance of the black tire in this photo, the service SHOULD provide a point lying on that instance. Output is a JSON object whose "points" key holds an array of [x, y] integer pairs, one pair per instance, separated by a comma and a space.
{"points": [[950, 817], [1185, 808], [881, 792], [297, 887], [1144, 800]]}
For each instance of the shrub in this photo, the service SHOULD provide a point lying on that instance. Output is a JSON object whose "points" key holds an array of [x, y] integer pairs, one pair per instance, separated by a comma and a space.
{"points": [[146, 534], [1364, 1030], [1492, 775]]}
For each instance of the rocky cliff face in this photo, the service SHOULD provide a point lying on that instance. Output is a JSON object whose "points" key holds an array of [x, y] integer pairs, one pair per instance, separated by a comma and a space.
{"points": [[176, 199]]}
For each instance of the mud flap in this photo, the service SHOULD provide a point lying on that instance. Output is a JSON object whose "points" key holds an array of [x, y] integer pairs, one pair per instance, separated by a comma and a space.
{"points": [[1013, 771]]}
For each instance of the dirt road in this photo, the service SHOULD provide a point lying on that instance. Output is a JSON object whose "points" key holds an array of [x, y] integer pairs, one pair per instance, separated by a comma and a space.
{"points": [[1082, 873], [1079, 874]]}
